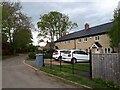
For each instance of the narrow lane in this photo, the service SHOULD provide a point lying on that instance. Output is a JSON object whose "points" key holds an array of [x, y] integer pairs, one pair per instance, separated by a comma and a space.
{"points": [[17, 75]]}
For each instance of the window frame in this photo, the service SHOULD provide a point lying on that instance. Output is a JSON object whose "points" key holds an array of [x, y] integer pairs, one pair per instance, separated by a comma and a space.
{"points": [[68, 41], [97, 38], [85, 39], [107, 50], [79, 40]]}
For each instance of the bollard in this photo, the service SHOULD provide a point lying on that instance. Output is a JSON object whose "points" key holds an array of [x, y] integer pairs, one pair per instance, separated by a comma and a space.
{"points": [[60, 60]]}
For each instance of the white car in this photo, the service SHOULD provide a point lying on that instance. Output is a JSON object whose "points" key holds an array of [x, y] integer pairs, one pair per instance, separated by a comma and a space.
{"points": [[57, 53], [74, 56]]}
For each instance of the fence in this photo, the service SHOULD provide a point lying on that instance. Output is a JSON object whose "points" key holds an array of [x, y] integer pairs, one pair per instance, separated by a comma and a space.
{"points": [[106, 66], [79, 69]]}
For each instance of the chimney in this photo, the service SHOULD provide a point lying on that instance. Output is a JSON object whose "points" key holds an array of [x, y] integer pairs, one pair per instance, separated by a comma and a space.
{"points": [[64, 33], [86, 26]]}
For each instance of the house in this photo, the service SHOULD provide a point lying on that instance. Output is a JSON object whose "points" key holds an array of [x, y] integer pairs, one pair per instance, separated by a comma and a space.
{"points": [[94, 38], [49, 45]]}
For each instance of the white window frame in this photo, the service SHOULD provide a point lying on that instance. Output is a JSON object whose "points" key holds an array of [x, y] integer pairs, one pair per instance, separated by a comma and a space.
{"points": [[79, 40], [65, 42], [97, 38], [85, 39], [107, 50], [68, 41]]}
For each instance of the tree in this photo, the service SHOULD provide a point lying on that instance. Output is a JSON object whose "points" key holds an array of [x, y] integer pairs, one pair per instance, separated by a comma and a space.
{"points": [[10, 10], [114, 32], [16, 25], [54, 24], [22, 38]]}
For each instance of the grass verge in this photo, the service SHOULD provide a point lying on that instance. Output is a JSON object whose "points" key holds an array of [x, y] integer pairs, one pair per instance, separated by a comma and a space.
{"points": [[66, 73]]}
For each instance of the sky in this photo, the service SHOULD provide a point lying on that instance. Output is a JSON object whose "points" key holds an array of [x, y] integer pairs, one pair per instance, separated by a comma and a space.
{"points": [[94, 12]]}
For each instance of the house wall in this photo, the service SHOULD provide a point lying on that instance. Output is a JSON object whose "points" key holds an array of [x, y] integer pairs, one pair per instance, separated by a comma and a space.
{"points": [[103, 40], [65, 44]]}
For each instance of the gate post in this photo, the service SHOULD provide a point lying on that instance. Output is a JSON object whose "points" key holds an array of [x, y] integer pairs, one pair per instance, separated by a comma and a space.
{"points": [[90, 61], [119, 48]]}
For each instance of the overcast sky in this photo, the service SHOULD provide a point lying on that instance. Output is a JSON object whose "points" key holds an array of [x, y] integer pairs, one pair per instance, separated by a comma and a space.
{"points": [[94, 12]]}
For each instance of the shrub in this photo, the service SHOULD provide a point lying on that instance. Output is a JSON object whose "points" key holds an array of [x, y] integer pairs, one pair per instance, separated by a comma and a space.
{"points": [[48, 56], [32, 55]]}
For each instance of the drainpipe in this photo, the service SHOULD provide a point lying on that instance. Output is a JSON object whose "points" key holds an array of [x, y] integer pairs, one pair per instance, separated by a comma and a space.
{"points": [[74, 43]]}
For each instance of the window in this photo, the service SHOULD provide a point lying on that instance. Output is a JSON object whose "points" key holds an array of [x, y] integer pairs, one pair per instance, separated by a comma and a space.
{"points": [[96, 38], [82, 52], [75, 52], [85, 39], [107, 50], [79, 40], [69, 41], [67, 52]]}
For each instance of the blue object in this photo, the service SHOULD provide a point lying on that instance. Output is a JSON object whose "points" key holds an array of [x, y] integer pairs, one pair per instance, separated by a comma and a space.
{"points": [[39, 60]]}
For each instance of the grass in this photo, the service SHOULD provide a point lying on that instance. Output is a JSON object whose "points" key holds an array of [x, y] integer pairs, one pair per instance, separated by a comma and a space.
{"points": [[67, 74], [68, 68]]}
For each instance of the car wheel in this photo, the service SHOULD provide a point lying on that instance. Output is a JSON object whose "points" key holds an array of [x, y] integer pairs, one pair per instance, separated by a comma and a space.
{"points": [[73, 61]]}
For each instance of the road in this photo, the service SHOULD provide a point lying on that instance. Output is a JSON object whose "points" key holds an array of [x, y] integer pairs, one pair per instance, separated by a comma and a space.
{"points": [[17, 75]]}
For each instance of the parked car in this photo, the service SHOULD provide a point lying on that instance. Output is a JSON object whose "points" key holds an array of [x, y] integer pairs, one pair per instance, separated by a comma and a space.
{"points": [[57, 53], [74, 56]]}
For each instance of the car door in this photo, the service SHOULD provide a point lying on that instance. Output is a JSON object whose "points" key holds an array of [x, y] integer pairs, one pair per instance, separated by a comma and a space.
{"points": [[80, 55], [83, 55], [65, 56], [76, 55]]}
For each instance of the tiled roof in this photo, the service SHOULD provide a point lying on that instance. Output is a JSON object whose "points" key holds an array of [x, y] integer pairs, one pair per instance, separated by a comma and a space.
{"points": [[100, 29]]}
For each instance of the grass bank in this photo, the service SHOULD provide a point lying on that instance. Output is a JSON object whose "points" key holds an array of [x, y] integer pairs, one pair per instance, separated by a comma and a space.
{"points": [[66, 73]]}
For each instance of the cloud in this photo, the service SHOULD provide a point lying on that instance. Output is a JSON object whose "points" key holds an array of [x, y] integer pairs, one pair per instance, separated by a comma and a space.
{"points": [[59, 0], [95, 13]]}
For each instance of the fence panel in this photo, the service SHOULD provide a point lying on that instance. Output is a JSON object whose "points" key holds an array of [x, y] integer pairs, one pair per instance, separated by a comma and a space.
{"points": [[106, 66]]}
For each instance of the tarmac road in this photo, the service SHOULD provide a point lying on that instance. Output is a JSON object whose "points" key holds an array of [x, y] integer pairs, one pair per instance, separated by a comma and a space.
{"points": [[17, 75]]}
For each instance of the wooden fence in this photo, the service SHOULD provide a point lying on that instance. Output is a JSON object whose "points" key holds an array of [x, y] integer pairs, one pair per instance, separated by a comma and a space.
{"points": [[106, 66]]}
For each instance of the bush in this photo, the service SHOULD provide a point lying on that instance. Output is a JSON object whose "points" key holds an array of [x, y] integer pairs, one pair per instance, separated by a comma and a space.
{"points": [[48, 56], [32, 55]]}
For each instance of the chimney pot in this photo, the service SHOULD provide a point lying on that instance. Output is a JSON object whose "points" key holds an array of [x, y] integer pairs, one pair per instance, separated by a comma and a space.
{"points": [[86, 26]]}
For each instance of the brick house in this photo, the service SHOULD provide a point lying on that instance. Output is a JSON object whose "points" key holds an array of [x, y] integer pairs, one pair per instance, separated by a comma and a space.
{"points": [[94, 38]]}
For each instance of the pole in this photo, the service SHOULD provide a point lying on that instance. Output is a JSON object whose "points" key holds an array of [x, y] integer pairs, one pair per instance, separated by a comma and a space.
{"points": [[60, 58], [51, 63], [60, 64], [73, 68], [43, 59], [90, 57]]}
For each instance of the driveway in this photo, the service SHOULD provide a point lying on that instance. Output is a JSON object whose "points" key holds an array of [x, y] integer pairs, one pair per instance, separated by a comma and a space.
{"points": [[17, 75]]}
